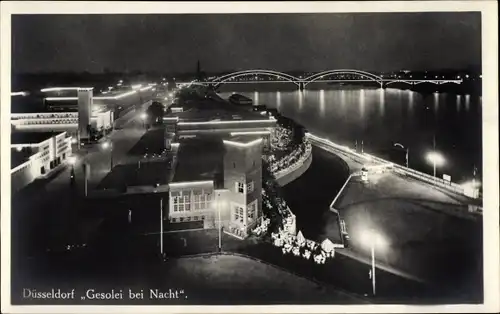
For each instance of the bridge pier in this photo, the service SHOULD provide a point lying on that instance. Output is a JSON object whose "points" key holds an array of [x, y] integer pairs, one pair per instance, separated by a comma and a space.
{"points": [[301, 86]]}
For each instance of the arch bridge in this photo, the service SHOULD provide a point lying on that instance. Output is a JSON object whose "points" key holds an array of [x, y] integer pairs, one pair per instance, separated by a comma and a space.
{"points": [[325, 76]]}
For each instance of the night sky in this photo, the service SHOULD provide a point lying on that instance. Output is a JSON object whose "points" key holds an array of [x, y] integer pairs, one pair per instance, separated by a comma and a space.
{"points": [[286, 42]]}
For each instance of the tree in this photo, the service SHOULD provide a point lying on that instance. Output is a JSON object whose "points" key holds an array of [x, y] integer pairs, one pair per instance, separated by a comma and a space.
{"points": [[155, 112]]}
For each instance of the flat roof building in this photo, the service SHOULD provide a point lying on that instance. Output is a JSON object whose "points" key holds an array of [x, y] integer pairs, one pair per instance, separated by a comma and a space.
{"points": [[218, 172], [36, 154]]}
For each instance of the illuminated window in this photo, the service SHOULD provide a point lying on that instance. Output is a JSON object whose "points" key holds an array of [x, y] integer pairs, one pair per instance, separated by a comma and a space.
{"points": [[252, 211], [181, 201], [238, 214], [201, 199]]}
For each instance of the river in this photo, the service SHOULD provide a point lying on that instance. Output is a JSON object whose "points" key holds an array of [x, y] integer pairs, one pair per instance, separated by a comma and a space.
{"points": [[377, 119]]}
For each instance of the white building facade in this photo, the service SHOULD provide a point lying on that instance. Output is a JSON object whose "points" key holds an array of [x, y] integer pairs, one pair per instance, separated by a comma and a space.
{"points": [[45, 157], [100, 121]]}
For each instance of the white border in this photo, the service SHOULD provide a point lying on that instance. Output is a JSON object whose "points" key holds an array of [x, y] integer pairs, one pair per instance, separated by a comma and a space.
{"points": [[490, 136]]}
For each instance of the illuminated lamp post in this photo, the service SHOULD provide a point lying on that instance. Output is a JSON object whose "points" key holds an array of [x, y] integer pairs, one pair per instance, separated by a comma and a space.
{"points": [[372, 240], [436, 159], [143, 118], [217, 206], [109, 145]]}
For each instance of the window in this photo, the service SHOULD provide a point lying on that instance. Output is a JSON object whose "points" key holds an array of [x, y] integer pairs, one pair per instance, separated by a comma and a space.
{"points": [[187, 204], [240, 187], [252, 211], [181, 201], [250, 187], [238, 214], [201, 200]]}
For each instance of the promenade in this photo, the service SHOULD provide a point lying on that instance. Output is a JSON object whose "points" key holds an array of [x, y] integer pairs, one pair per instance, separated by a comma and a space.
{"points": [[426, 233]]}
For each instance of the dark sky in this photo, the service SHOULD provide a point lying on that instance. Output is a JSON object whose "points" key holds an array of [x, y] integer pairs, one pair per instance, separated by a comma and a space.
{"points": [[313, 42]]}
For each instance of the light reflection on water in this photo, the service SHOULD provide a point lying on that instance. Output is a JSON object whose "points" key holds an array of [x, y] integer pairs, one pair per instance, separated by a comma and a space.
{"points": [[381, 117], [322, 102], [278, 100]]}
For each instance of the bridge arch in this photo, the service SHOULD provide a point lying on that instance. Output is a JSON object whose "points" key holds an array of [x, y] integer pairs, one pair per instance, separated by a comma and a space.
{"points": [[365, 74], [222, 79]]}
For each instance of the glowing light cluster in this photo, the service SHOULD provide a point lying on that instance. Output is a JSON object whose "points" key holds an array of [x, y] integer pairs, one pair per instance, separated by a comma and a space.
{"points": [[435, 158], [250, 133], [19, 94], [72, 160], [189, 184], [60, 98], [170, 118], [146, 88], [58, 89], [226, 122], [239, 144]]}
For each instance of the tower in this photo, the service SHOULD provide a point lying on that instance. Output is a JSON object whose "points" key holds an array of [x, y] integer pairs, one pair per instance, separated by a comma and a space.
{"points": [[243, 181], [85, 100]]}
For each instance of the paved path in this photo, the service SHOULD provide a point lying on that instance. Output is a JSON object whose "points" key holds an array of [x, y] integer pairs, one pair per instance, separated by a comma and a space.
{"points": [[429, 234]]}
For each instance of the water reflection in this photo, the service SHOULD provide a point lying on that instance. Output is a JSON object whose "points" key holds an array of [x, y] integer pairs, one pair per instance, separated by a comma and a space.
{"points": [[436, 103], [342, 99], [381, 101], [362, 103], [278, 100], [322, 103], [411, 100], [300, 95], [467, 102], [459, 103], [346, 106]]}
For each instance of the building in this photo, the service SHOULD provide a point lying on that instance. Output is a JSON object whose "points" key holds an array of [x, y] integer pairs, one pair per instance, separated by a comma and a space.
{"points": [[101, 121], [218, 181], [78, 114], [85, 101], [217, 177], [37, 154]]}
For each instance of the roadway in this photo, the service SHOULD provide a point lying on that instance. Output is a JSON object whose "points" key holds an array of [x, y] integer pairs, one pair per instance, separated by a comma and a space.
{"points": [[51, 203]]}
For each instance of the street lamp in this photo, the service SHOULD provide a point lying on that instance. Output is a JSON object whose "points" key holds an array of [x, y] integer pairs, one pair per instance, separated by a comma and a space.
{"points": [[436, 159], [217, 205], [407, 151], [143, 118], [72, 161], [372, 239], [109, 145]]}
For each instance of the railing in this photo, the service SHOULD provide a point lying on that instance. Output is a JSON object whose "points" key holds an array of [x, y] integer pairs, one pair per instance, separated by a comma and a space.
{"points": [[453, 187], [297, 164]]}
